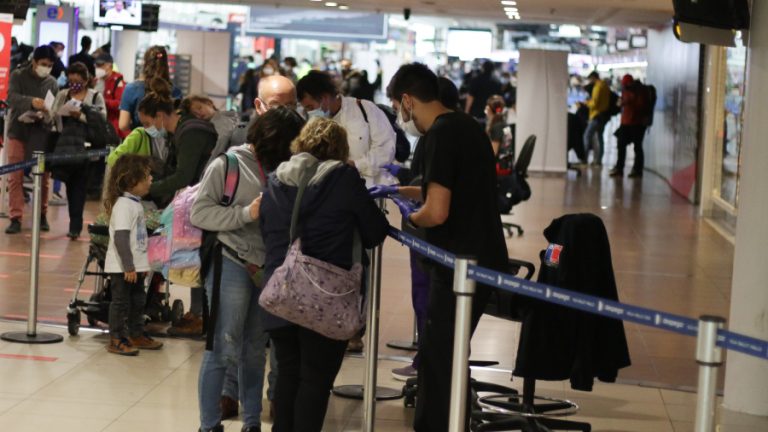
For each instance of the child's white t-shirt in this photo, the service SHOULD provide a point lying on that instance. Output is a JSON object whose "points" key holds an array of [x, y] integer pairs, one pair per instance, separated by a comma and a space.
{"points": [[127, 214]]}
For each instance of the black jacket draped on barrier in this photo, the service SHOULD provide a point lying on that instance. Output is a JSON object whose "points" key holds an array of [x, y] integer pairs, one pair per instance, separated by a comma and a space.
{"points": [[557, 343]]}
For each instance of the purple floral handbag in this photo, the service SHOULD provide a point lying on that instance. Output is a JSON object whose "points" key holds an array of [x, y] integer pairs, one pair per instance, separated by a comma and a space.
{"points": [[313, 293]]}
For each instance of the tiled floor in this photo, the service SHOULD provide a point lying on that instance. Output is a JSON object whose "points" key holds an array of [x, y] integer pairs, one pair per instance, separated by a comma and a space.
{"points": [[664, 257]]}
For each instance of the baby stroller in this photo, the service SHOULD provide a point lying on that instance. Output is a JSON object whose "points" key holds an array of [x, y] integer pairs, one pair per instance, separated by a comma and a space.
{"points": [[96, 308]]}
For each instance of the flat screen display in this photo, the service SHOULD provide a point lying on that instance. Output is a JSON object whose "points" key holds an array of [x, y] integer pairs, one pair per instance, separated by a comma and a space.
{"points": [[117, 12], [469, 44]]}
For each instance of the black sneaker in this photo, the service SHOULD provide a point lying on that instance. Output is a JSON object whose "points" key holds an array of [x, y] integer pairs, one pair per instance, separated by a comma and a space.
{"points": [[14, 227], [73, 235], [635, 174], [44, 224], [218, 428], [251, 429], [616, 172]]}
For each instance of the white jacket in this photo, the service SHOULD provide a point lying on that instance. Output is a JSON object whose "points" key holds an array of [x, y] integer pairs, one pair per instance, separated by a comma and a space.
{"points": [[371, 144]]}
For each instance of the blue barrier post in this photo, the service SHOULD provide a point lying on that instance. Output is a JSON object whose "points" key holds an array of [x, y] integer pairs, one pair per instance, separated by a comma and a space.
{"points": [[709, 356], [464, 288], [31, 336]]}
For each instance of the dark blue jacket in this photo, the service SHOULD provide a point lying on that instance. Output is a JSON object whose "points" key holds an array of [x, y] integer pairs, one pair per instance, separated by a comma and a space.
{"points": [[330, 212]]}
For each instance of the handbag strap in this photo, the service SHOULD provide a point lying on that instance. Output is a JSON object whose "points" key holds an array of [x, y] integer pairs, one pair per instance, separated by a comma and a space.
{"points": [[309, 172]]}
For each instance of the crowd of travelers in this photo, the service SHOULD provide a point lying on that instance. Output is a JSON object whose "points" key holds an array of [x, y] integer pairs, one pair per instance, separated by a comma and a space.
{"points": [[312, 155]]}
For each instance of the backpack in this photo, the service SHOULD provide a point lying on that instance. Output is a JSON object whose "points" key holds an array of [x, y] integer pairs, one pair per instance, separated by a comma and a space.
{"points": [[182, 248], [649, 92], [614, 107], [402, 145]]}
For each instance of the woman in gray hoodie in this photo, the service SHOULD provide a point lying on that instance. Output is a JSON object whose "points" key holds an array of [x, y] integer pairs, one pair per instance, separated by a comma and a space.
{"points": [[239, 339]]}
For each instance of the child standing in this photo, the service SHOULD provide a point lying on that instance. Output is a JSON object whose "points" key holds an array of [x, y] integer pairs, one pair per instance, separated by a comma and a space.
{"points": [[126, 260]]}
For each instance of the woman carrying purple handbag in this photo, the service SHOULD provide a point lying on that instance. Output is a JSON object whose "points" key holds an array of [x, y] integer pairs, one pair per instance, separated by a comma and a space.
{"points": [[315, 265]]}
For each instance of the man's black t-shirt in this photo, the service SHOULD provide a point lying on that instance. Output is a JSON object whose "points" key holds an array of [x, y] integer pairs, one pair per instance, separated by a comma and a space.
{"points": [[458, 156], [481, 88]]}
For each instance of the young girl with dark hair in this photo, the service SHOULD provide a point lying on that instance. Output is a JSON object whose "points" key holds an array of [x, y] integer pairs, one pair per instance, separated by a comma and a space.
{"points": [[126, 260]]}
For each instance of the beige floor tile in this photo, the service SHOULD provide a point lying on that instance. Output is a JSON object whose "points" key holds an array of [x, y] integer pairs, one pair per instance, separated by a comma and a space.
{"points": [[66, 408], [8, 401], [95, 391], [680, 426], [36, 422]]}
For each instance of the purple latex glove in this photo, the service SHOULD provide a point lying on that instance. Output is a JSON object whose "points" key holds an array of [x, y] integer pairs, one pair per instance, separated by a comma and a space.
{"points": [[406, 206], [382, 191], [392, 168]]}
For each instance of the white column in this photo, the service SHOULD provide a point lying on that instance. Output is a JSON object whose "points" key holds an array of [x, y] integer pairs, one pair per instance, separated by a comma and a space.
{"points": [[124, 46], [746, 379]]}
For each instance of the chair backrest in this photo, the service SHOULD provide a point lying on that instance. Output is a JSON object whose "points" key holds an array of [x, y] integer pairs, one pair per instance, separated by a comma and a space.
{"points": [[524, 158]]}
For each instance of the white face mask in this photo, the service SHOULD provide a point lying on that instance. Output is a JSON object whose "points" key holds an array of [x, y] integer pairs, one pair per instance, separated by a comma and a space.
{"points": [[43, 71], [318, 113], [409, 126], [100, 73], [154, 132], [269, 71]]}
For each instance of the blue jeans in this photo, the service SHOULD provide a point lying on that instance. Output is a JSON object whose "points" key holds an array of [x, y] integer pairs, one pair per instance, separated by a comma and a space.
{"points": [[595, 127], [230, 380], [239, 342]]}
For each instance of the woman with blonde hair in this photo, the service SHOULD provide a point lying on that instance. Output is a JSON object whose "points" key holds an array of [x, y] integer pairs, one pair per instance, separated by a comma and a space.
{"points": [[155, 67], [334, 206]]}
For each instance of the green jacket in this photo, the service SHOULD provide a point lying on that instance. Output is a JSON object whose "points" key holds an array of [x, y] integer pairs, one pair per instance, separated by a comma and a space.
{"points": [[137, 142], [192, 145]]}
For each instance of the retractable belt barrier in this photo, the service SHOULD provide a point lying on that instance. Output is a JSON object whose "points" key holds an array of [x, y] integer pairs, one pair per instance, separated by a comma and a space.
{"points": [[584, 302], [51, 157], [31, 335]]}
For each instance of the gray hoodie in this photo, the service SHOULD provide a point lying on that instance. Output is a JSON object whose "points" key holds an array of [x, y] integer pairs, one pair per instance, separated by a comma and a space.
{"points": [[234, 225], [291, 171], [225, 123]]}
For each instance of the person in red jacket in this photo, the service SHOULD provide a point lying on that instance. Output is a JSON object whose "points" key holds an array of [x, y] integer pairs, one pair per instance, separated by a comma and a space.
{"points": [[114, 84], [634, 108]]}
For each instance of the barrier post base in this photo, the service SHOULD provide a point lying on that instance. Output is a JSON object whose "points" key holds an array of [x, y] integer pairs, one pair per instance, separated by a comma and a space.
{"points": [[38, 338], [403, 345], [356, 391]]}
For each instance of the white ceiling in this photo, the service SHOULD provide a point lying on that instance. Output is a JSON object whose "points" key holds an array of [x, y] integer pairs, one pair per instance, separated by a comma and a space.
{"points": [[612, 13]]}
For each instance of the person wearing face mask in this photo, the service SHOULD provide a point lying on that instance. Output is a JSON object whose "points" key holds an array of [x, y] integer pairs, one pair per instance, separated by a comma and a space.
{"points": [[148, 141], [113, 85], [73, 132], [27, 89], [459, 214], [371, 136], [190, 143]]}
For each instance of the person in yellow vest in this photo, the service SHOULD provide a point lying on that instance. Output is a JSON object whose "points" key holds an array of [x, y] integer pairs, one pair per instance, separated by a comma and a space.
{"points": [[598, 106]]}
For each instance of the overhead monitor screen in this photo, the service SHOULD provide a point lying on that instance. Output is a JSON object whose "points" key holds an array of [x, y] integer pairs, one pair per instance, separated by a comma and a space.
{"points": [[117, 12], [468, 44]]}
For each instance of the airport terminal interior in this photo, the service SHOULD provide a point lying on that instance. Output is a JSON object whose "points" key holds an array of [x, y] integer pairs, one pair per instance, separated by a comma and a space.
{"points": [[560, 89]]}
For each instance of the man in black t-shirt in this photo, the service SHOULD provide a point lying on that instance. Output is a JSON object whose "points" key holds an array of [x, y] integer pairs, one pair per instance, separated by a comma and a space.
{"points": [[482, 87], [460, 214]]}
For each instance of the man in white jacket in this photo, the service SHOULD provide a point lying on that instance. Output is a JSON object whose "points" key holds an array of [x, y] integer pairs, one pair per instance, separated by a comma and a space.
{"points": [[369, 132]]}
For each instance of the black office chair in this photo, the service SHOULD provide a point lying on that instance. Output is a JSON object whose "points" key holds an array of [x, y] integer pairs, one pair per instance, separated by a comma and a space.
{"points": [[514, 187], [545, 349]]}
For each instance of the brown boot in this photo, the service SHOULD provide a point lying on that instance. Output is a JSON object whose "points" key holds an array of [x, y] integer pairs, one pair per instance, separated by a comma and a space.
{"points": [[122, 346], [355, 345], [190, 325], [145, 342], [229, 407]]}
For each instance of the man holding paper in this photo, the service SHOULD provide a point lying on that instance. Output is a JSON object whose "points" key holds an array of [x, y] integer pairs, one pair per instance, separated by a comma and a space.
{"points": [[30, 123]]}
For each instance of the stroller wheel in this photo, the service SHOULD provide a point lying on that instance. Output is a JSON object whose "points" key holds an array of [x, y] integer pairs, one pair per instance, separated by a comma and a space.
{"points": [[73, 323], [177, 311]]}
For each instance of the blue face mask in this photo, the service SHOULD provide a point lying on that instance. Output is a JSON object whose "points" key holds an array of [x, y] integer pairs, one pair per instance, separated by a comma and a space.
{"points": [[318, 113], [154, 132]]}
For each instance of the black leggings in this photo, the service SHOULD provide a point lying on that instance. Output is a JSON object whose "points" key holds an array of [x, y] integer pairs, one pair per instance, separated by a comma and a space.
{"points": [[77, 192], [307, 365]]}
